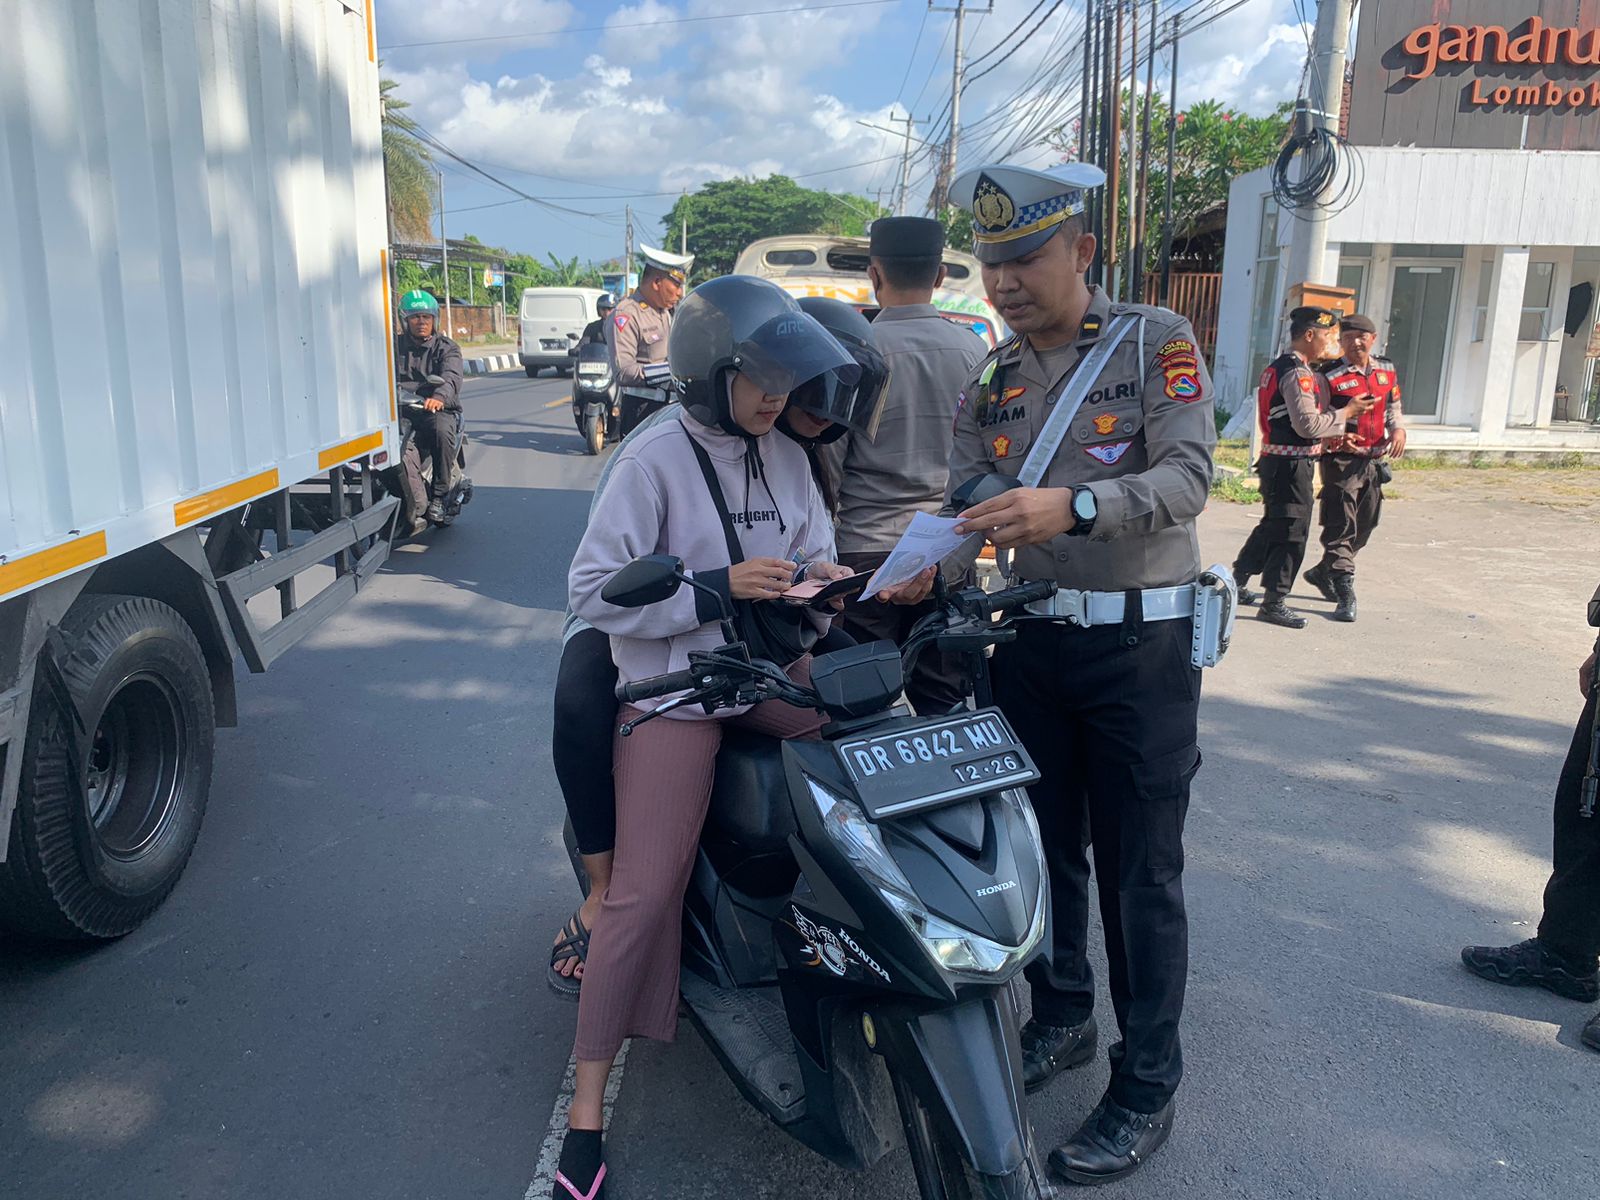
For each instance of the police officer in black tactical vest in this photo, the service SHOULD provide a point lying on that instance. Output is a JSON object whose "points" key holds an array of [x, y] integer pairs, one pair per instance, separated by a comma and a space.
{"points": [[1092, 432]]}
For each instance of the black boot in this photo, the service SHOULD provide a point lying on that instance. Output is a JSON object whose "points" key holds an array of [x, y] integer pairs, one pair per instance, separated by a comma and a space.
{"points": [[1591, 1033], [1113, 1142], [1321, 578], [1345, 585], [1529, 964], [1048, 1050], [581, 1174], [1248, 596], [1275, 612]]}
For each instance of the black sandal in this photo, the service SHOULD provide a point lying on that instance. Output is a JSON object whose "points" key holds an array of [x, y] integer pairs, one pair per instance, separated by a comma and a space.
{"points": [[573, 944]]}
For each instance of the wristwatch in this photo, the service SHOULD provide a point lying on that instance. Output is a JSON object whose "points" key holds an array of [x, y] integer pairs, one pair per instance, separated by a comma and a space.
{"points": [[1084, 511]]}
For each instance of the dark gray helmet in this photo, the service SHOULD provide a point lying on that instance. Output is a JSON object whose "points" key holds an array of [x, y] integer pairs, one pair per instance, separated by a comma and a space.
{"points": [[850, 406], [752, 326], [604, 302]]}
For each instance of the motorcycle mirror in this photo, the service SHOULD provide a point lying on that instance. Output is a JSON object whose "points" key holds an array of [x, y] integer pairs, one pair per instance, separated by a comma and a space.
{"points": [[978, 489], [647, 580]]}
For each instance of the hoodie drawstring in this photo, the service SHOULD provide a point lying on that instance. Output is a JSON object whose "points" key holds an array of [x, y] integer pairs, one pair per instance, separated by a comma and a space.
{"points": [[754, 468]]}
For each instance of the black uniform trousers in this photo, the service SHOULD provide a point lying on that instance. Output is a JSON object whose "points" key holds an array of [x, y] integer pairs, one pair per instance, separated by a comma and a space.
{"points": [[935, 685], [1109, 715], [1351, 503], [1571, 924], [435, 439], [1277, 545]]}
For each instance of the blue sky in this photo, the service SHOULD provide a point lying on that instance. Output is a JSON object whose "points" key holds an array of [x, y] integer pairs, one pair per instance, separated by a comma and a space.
{"points": [[614, 104]]}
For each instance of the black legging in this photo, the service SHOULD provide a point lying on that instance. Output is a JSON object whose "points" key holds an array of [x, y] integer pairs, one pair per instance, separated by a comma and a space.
{"points": [[585, 723]]}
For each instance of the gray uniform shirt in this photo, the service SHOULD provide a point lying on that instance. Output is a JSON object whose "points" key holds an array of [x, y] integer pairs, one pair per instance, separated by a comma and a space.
{"points": [[1141, 442], [638, 334], [904, 469]]}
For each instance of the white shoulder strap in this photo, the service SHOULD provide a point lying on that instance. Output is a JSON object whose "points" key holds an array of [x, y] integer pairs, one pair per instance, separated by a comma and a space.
{"points": [[1072, 396]]}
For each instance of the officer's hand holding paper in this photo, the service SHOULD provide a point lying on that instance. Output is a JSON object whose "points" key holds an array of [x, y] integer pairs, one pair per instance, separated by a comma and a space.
{"points": [[926, 543]]}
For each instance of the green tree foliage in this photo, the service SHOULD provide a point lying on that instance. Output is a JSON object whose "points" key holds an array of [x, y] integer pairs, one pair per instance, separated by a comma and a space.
{"points": [[727, 215], [1214, 146], [408, 168]]}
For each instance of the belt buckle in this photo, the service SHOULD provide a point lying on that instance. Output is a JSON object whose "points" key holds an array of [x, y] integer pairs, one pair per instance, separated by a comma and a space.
{"points": [[1073, 606]]}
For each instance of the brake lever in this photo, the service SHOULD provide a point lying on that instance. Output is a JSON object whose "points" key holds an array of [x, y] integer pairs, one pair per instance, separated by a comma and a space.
{"points": [[662, 710]]}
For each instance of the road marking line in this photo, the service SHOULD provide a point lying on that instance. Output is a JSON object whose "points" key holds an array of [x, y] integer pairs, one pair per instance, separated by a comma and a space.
{"points": [[544, 1175], [557, 403]]}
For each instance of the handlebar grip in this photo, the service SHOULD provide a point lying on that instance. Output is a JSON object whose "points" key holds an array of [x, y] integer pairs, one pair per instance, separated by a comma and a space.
{"points": [[1023, 593], [659, 685]]}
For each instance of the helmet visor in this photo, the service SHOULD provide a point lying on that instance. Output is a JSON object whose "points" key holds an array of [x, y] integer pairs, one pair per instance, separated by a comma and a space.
{"points": [[788, 350], [856, 406]]}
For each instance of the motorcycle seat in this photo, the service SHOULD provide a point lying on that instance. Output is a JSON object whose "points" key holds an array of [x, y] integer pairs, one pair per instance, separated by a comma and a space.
{"points": [[749, 799]]}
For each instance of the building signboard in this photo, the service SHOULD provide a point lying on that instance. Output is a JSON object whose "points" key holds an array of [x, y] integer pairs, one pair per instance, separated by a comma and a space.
{"points": [[1477, 74]]}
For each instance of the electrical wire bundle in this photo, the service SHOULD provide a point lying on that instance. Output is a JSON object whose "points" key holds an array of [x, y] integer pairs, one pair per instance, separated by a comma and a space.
{"points": [[1331, 170]]}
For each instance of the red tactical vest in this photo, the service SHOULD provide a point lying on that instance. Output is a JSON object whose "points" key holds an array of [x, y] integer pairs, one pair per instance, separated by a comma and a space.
{"points": [[1383, 385], [1272, 412]]}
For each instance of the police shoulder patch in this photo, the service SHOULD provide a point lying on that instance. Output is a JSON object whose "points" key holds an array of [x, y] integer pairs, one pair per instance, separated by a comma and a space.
{"points": [[1306, 385], [620, 320]]}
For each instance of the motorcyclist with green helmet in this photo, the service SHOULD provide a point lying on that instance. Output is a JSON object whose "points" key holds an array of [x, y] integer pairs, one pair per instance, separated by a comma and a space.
{"points": [[422, 350]]}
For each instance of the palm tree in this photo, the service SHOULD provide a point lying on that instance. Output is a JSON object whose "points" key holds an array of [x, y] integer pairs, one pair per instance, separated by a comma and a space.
{"points": [[409, 169]]}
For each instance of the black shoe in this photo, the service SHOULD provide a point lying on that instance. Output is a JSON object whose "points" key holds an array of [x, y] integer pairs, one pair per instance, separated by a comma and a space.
{"points": [[1276, 612], [1529, 964], [1345, 586], [1321, 578], [1112, 1143], [1048, 1050], [1591, 1033], [1247, 595], [436, 512]]}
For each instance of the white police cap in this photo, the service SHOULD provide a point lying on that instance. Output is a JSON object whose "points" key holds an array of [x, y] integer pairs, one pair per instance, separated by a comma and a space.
{"points": [[675, 265], [1015, 210]]}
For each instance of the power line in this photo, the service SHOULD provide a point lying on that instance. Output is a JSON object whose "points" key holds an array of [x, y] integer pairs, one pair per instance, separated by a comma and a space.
{"points": [[911, 62], [555, 33]]}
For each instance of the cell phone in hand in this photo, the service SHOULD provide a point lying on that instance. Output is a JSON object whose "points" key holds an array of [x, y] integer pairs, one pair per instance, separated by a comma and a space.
{"points": [[818, 592]]}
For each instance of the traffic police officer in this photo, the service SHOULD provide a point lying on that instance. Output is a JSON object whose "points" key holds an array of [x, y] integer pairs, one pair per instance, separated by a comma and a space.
{"points": [[638, 333], [1103, 693], [1296, 411], [1353, 473]]}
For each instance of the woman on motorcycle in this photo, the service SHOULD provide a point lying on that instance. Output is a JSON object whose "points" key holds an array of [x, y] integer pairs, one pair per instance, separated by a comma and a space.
{"points": [[819, 411], [711, 484]]}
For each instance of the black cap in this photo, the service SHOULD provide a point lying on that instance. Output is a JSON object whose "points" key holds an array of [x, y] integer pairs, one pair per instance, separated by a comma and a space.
{"points": [[1358, 323], [1308, 317], [906, 237]]}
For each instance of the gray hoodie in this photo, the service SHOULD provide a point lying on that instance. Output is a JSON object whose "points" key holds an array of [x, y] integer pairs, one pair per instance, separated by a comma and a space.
{"points": [[656, 502]]}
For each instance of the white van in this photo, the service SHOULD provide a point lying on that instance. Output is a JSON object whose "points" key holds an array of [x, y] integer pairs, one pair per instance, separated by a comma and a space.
{"points": [[549, 322]]}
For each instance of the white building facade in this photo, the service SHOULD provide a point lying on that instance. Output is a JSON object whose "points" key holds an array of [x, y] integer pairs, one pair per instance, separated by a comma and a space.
{"points": [[1475, 247]]}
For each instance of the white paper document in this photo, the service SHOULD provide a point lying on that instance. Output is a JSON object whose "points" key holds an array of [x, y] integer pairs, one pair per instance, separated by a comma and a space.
{"points": [[927, 542]]}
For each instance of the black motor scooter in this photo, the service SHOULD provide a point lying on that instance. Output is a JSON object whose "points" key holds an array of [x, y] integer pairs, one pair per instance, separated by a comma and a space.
{"points": [[594, 397], [860, 905], [412, 518]]}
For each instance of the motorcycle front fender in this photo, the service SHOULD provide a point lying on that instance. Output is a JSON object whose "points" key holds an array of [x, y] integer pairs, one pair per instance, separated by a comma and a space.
{"points": [[965, 1065]]}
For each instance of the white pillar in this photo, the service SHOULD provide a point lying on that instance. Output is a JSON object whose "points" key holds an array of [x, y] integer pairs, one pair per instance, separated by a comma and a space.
{"points": [[1550, 353], [1500, 350], [1460, 405]]}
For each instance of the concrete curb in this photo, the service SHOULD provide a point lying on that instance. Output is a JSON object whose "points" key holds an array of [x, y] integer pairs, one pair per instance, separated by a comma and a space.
{"points": [[495, 362]]}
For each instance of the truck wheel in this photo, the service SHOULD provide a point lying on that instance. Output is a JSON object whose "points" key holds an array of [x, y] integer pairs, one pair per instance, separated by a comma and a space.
{"points": [[96, 846], [533, 372]]}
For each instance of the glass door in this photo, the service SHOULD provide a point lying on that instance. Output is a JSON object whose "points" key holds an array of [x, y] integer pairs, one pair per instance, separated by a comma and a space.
{"points": [[1421, 308]]}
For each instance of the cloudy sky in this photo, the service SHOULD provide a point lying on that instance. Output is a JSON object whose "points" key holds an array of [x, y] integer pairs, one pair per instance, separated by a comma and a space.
{"points": [[597, 105]]}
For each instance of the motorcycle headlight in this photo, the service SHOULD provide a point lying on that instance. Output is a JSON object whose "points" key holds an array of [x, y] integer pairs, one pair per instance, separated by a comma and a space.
{"points": [[955, 950]]}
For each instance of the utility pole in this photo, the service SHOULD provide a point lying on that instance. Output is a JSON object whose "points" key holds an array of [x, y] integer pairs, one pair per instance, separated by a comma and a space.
{"points": [[1113, 226], [1097, 197], [1308, 248], [947, 173], [1083, 94], [905, 164], [683, 238], [1133, 152], [627, 246], [1144, 164], [444, 253], [1172, 155]]}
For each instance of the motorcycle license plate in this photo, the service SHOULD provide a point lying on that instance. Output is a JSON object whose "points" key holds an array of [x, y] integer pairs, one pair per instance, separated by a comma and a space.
{"points": [[587, 369], [936, 763]]}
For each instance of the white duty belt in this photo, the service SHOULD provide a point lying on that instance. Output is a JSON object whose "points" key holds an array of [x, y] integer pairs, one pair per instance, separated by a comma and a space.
{"points": [[1109, 608]]}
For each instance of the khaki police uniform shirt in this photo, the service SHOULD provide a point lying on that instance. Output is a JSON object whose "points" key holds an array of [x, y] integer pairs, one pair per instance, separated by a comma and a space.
{"points": [[1141, 442], [638, 334], [904, 469]]}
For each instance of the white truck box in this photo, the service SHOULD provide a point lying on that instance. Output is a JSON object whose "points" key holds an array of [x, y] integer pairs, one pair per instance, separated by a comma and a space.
{"points": [[197, 310]]}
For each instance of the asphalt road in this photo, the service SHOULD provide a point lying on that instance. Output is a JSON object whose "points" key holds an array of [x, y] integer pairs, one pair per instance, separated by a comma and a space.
{"points": [[344, 998]]}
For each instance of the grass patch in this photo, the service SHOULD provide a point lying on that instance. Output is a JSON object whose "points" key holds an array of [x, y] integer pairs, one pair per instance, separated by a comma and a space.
{"points": [[1233, 490], [1233, 452], [1485, 460]]}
